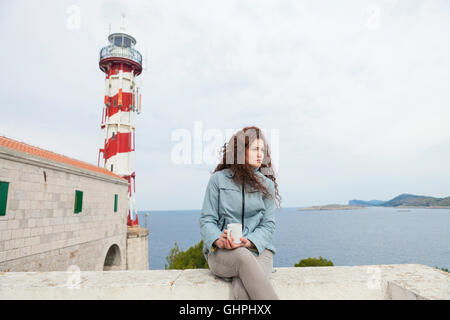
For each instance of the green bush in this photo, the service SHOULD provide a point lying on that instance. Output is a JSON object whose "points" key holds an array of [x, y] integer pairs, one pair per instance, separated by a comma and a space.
{"points": [[314, 262], [443, 269], [192, 258]]}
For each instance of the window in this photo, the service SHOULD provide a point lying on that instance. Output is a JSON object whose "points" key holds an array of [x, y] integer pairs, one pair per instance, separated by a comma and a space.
{"points": [[116, 197], [118, 41], [3, 197], [78, 201], [126, 42]]}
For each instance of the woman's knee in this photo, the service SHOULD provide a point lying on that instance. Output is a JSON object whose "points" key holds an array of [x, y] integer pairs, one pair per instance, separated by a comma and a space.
{"points": [[244, 256], [235, 258]]}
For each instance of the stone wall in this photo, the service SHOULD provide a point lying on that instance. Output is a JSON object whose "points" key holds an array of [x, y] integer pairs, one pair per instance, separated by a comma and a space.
{"points": [[137, 248], [41, 232], [376, 282]]}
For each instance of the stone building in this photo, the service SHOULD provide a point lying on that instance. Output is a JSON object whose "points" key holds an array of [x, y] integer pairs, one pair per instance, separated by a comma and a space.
{"points": [[59, 214]]}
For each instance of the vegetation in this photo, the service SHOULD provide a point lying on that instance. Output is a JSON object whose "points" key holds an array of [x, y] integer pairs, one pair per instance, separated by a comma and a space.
{"points": [[443, 269], [445, 202], [314, 262], [192, 258]]}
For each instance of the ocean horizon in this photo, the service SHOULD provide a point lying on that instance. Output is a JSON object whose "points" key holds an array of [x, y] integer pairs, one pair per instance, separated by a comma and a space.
{"points": [[368, 236]]}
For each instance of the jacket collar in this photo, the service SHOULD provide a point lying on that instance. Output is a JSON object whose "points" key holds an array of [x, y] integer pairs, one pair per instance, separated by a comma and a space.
{"points": [[230, 174]]}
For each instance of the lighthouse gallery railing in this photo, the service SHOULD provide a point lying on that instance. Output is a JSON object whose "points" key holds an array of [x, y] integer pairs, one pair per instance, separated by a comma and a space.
{"points": [[122, 52]]}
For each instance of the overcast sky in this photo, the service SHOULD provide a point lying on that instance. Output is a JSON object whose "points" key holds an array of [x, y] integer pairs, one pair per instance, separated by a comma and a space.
{"points": [[358, 96]]}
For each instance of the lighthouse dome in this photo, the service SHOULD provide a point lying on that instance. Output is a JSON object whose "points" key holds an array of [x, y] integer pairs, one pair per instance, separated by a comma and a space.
{"points": [[122, 40]]}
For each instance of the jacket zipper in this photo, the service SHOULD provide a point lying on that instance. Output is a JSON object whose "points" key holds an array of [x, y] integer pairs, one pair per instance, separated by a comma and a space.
{"points": [[243, 206], [223, 224]]}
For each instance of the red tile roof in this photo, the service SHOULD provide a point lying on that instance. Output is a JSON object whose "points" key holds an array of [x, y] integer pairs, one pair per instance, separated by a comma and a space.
{"points": [[25, 148]]}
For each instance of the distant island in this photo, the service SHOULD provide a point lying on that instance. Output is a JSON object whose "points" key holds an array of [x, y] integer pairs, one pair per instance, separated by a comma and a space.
{"points": [[405, 200]]}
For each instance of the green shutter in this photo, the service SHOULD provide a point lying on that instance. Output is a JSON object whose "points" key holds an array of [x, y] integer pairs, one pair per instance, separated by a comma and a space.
{"points": [[78, 201], [115, 202], [3, 197]]}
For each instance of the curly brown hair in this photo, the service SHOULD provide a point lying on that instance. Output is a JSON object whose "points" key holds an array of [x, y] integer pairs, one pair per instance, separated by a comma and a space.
{"points": [[234, 158]]}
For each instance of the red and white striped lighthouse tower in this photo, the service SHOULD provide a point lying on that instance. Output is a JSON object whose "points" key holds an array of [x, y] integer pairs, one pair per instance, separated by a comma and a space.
{"points": [[121, 64]]}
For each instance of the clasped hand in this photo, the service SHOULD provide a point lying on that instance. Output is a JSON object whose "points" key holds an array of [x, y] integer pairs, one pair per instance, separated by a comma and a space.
{"points": [[224, 243]]}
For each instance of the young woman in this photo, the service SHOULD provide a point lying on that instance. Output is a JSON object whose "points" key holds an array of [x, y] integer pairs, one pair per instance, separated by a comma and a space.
{"points": [[242, 189]]}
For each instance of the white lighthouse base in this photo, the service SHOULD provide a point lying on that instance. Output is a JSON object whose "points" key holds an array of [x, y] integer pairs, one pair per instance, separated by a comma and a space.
{"points": [[137, 248]]}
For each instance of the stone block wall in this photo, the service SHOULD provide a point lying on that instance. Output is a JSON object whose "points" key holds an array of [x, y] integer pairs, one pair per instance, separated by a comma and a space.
{"points": [[392, 282], [41, 232], [137, 248]]}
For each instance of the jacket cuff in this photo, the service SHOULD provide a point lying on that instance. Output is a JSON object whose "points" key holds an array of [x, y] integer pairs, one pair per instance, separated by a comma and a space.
{"points": [[210, 241], [257, 244]]}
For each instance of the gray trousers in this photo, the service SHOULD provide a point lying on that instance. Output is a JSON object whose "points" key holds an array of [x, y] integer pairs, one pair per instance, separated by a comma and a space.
{"points": [[250, 273]]}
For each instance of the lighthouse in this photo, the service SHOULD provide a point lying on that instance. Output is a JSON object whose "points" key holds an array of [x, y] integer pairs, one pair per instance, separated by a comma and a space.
{"points": [[121, 63]]}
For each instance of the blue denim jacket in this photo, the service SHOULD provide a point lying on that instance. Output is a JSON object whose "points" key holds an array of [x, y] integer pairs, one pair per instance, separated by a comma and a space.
{"points": [[223, 205]]}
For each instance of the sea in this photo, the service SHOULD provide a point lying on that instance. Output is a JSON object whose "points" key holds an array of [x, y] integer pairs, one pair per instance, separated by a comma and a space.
{"points": [[368, 236]]}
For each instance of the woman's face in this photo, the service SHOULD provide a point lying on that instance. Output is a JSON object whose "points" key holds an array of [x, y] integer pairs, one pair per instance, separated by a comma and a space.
{"points": [[256, 153]]}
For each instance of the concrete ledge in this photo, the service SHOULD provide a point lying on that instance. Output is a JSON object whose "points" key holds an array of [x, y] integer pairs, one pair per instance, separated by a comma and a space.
{"points": [[136, 232], [401, 281]]}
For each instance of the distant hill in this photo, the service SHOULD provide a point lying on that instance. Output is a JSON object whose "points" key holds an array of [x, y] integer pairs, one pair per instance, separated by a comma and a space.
{"points": [[405, 199], [365, 203], [445, 202]]}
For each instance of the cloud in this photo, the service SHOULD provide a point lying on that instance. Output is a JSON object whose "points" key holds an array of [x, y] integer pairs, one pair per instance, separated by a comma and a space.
{"points": [[359, 93]]}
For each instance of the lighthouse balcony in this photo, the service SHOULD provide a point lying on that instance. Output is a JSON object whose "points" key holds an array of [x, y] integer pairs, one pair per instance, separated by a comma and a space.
{"points": [[118, 53]]}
